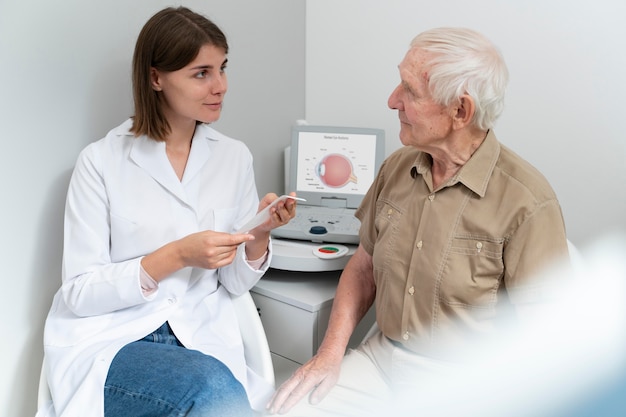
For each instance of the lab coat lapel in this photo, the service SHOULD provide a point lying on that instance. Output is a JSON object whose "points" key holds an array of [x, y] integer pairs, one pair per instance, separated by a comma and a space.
{"points": [[150, 155], [198, 155]]}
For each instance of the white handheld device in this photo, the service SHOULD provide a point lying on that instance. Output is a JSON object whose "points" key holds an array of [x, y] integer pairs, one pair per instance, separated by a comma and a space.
{"points": [[263, 215]]}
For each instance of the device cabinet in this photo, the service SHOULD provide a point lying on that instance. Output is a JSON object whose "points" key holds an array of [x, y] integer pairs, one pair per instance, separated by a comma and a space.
{"points": [[295, 308], [283, 368], [292, 332]]}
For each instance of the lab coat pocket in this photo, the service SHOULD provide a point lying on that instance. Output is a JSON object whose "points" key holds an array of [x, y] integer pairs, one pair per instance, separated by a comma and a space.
{"points": [[224, 219], [123, 238], [122, 226]]}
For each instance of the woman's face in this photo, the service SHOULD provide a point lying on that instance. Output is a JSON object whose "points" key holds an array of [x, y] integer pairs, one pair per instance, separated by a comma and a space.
{"points": [[196, 91]]}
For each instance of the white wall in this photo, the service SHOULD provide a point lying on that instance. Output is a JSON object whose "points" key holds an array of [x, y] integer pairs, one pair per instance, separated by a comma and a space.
{"points": [[65, 82], [564, 103]]}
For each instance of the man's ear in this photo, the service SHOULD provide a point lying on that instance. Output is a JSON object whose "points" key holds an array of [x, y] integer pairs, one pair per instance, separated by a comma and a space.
{"points": [[463, 112], [155, 80]]}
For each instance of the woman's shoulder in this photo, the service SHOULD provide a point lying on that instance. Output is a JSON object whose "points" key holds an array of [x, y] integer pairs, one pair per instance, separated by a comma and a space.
{"points": [[115, 140], [120, 131]]}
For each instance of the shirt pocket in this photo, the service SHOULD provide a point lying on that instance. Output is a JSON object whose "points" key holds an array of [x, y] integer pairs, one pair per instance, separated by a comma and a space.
{"points": [[474, 272]]}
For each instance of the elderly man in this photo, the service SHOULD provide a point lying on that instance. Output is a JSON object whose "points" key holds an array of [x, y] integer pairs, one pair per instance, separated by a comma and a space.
{"points": [[454, 229]]}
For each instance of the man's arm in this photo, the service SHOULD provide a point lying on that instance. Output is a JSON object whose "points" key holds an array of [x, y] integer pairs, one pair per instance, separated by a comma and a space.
{"points": [[537, 263], [355, 294]]}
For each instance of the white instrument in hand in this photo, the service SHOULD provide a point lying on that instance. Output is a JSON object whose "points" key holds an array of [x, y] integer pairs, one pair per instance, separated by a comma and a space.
{"points": [[263, 215]]}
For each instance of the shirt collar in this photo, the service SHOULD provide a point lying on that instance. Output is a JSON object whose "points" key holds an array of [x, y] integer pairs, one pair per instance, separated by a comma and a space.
{"points": [[475, 173]]}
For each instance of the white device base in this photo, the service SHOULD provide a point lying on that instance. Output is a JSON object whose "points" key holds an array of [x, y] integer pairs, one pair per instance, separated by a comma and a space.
{"points": [[297, 255]]}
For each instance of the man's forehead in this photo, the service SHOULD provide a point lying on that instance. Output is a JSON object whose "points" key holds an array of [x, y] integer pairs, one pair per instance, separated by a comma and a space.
{"points": [[414, 65]]}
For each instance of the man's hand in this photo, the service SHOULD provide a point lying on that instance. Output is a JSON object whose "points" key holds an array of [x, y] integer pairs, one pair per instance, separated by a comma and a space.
{"points": [[317, 376], [354, 296]]}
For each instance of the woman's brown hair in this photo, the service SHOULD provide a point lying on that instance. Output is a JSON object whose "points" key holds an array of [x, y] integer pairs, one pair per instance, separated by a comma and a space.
{"points": [[168, 41]]}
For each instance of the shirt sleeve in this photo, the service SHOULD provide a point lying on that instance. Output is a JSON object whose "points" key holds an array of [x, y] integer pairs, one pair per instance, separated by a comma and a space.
{"points": [[148, 285], [538, 245], [257, 264]]}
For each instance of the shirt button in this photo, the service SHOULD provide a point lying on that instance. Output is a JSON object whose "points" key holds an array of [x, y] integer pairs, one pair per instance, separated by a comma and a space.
{"points": [[479, 246], [419, 245], [405, 336], [431, 197], [412, 290]]}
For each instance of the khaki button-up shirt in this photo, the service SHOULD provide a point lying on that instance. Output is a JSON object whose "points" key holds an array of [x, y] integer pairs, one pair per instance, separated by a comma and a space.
{"points": [[446, 260]]}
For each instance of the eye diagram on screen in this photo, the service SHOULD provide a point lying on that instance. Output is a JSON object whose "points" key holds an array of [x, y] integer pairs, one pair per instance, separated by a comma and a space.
{"points": [[335, 170], [342, 162]]}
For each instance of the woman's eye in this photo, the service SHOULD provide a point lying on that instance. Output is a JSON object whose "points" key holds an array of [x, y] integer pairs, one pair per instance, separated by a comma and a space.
{"points": [[223, 69], [201, 74]]}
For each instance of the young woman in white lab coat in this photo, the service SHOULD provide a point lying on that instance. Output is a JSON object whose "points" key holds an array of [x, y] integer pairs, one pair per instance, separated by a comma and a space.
{"points": [[143, 323]]}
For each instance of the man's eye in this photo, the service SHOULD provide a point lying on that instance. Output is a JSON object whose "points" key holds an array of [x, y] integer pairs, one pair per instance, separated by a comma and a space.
{"points": [[223, 69]]}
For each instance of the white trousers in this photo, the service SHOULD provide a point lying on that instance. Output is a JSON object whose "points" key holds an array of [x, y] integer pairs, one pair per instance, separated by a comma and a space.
{"points": [[378, 378]]}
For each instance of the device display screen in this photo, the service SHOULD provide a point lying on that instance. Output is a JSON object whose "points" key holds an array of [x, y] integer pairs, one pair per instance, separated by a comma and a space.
{"points": [[335, 162]]}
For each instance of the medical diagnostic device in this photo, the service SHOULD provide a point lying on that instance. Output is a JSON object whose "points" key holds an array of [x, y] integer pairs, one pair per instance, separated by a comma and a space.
{"points": [[332, 168]]}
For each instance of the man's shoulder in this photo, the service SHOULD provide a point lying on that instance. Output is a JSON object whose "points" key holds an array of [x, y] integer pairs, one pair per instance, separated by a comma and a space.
{"points": [[517, 170]]}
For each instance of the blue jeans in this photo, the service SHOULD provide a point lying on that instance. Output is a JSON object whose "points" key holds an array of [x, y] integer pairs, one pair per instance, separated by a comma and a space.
{"points": [[158, 377]]}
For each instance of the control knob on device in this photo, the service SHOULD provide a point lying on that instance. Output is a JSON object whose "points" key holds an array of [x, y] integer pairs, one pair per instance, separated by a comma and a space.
{"points": [[318, 230]]}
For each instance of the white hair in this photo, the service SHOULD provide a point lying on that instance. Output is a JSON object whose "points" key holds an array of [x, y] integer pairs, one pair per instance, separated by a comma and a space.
{"points": [[465, 62]]}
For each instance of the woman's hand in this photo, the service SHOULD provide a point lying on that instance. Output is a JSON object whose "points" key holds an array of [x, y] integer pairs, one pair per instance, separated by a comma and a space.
{"points": [[207, 249], [210, 249], [280, 214]]}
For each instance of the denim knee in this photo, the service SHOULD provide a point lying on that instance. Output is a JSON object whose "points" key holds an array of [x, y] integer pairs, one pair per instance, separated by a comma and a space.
{"points": [[216, 392], [182, 382]]}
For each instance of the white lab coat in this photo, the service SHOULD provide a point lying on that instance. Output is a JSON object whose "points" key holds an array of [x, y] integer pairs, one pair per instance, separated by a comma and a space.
{"points": [[125, 201]]}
